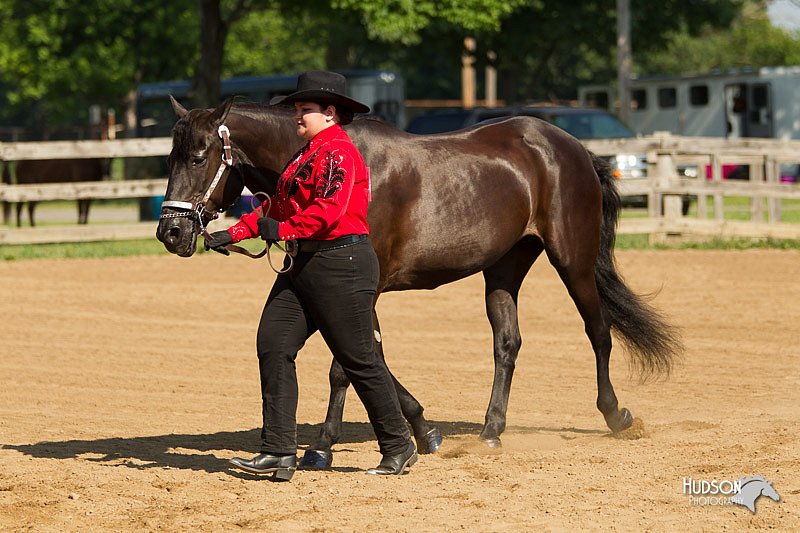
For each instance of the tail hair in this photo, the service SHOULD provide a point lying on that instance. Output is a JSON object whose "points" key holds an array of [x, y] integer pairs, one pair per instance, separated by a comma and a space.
{"points": [[651, 342]]}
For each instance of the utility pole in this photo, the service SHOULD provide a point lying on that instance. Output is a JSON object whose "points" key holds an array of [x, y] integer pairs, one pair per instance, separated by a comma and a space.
{"points": [[468, 73], [624, 58]]}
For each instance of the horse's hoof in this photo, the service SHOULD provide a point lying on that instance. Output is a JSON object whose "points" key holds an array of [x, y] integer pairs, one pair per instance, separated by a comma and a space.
{"points": [[493, 442], [320, 459], [430, 442], [622, 421]]}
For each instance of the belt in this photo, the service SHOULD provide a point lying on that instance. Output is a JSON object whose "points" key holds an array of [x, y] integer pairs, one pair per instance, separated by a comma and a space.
{"points": [[308, 245]]}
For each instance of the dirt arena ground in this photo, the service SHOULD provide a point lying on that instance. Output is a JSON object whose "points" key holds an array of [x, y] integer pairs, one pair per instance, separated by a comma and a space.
{"points": [[127, 384]]}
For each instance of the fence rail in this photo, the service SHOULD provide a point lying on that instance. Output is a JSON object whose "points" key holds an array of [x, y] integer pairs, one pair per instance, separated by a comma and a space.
{"points": [[664, 187], [156, 146]]}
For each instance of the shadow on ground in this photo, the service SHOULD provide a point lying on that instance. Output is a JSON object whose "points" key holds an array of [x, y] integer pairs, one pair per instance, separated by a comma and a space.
{"points": [[195, 452]]}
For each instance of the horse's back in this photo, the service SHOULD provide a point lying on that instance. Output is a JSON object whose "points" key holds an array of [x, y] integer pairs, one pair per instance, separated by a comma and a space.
{"points": [[519, 140], [59, 170], [500, 163], [449, 205]]}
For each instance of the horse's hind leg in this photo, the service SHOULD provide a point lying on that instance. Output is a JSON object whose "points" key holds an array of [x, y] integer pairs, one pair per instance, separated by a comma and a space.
{"points": [[578, 274], [503, 280], [428, 438], [319, 454], [83, 211], [31, 210]]}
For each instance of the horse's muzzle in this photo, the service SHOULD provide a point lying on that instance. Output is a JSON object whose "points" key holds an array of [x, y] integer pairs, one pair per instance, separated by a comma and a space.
{"points": [[178, 236]]}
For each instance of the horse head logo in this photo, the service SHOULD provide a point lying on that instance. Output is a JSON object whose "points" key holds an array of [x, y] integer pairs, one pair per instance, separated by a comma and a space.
{"points": [[752, 488]]}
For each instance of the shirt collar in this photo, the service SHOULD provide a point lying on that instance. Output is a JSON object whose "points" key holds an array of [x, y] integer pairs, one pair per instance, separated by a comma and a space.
{"points": [[326, 135]]}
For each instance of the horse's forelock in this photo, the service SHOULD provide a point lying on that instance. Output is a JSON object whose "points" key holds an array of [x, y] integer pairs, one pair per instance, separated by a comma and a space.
{"points": [[184, 132]]}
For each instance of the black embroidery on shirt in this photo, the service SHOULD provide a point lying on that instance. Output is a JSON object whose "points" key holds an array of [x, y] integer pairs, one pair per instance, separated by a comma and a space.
{"points": [[294, 186], [333, 176], [306, 169], [302, 174]]}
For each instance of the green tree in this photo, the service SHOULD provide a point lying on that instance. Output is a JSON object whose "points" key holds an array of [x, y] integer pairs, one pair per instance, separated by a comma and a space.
{"points": [[548, 48], [751, 41], [58, 57], [393, 21], [545, 48], [266, 42]]}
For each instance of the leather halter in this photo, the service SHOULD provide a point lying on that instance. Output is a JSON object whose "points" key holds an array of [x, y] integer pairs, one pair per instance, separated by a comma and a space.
{"points": [[198, 210]]}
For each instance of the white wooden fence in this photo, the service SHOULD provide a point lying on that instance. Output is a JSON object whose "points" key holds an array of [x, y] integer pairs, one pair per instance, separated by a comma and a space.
{"points": [[82, 190], [663, 186]]}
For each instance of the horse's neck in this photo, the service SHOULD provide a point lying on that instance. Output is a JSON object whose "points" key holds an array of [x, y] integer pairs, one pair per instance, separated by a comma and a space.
{"points": [[268, 141]]}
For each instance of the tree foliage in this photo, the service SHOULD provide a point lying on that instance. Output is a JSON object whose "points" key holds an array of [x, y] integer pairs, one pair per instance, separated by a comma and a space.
{"points": [[57, 57], [402, 20], [265, 42], [751, 41], [547, 49]]}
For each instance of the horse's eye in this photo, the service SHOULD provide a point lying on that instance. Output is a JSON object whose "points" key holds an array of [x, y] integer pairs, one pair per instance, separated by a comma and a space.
{"points": [[198, 161]]}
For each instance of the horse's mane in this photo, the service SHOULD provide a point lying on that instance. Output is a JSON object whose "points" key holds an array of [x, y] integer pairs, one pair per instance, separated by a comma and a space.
{"points": [[182, 131], [183, 142], [258, 111]]}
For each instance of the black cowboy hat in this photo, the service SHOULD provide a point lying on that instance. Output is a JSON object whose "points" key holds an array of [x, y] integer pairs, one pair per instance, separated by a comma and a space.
{"points": [[322, 87]]}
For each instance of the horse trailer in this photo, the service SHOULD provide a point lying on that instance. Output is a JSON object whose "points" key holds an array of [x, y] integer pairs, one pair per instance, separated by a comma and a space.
{"points": [[735, 103]]}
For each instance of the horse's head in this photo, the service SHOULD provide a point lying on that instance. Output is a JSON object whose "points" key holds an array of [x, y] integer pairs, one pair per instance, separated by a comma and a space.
{"points": [[193, 198]]}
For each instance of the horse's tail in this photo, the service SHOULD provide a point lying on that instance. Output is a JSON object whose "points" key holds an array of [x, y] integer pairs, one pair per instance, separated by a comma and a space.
{"points": [[650, 340], [6, 173]]}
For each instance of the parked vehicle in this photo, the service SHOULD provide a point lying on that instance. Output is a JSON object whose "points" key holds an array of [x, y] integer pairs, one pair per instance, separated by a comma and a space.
{"points": [[582, 123]]}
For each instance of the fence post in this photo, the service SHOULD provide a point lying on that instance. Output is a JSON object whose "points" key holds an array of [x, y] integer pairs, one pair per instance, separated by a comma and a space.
{"points": [[653, 197], [773, 169], [757, 202], [669, 204], [716, 179], [667, 174]]}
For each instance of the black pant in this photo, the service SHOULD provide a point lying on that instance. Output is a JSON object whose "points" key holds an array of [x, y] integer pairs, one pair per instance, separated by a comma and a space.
{"points": [[331, 291]]}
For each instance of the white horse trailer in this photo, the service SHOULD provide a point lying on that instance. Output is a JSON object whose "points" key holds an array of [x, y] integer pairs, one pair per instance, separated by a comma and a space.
{"points": [[736, 103]]}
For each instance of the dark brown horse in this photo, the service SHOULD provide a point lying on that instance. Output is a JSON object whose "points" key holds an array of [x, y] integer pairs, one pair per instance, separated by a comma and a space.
{"points": [[31, 172], [487, 199]]}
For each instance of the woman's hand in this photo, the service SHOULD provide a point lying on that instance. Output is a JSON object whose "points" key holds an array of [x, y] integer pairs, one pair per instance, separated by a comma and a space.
{"points": [[268, 229], [217, 241]]}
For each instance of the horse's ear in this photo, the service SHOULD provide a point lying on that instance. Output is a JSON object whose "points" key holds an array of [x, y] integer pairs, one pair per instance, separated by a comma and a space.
{"points": [[177, 107], [219, 115]]}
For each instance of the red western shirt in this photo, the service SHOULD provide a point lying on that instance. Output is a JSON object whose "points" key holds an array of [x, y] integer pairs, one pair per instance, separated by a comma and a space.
{"points": [[322, 194]]}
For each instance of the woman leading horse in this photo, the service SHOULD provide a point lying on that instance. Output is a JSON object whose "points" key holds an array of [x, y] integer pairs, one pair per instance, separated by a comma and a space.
{"points": [[320, 203], [488, 199]]}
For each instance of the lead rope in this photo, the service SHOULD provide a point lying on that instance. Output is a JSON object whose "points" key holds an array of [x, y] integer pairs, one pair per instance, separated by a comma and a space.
{"points": [[290, 249]]}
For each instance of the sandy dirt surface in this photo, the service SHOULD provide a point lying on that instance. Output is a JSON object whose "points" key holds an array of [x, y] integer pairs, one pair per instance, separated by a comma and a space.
{"points": [[127, 384]]}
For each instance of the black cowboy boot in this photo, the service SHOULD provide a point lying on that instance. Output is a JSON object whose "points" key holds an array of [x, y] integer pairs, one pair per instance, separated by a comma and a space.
{"points": [[264, 463], [395, 465]]}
